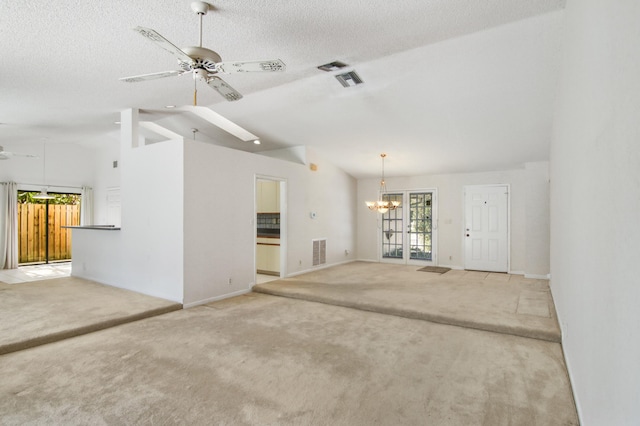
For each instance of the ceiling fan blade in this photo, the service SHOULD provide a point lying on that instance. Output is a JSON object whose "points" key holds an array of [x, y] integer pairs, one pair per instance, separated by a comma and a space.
{"points": [[221, 86], [17, 154], [7, 155], [250, 66], [164, 43], [152, 76]]}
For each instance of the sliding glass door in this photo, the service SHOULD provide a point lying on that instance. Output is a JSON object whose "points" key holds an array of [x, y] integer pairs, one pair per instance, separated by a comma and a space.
{"points": [[41, 236]]}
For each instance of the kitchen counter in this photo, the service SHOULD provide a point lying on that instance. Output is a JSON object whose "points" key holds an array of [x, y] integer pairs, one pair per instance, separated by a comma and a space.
{"points": [[99, 227], [268, 235]]}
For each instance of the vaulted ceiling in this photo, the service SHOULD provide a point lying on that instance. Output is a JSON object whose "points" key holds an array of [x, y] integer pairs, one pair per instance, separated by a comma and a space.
{"points": [[448, 85]]}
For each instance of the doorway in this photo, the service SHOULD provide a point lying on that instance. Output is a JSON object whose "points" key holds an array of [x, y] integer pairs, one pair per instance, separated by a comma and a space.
{"points": [[270, 228], [409, 232], [486, 233], [42, 237]]}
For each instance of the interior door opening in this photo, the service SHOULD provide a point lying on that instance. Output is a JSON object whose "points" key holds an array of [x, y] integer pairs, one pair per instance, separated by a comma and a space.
{"points": [[270, 228], [41, 236], [409, 231]]}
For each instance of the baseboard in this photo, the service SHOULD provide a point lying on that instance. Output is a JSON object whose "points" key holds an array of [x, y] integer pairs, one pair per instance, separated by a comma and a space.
{"points": [[568, 368], [537, 276], [123, 287], [317, 268], [216, 298], [516, 272]]}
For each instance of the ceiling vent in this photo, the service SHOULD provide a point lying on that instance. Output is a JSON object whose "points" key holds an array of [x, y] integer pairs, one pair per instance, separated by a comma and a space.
{"points": [[349, 79], [332, 66]]}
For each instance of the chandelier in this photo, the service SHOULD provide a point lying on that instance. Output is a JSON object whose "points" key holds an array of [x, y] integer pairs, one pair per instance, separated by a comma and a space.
{"points": [[382, 206]]}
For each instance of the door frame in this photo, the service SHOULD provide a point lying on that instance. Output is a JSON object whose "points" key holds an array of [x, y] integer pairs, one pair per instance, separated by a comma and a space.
{"points": [[464, 220], [405, 216], [283, 222]]}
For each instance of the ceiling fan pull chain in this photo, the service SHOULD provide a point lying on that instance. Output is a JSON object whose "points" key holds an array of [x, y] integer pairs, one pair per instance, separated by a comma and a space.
{"points": [[195, 92]]}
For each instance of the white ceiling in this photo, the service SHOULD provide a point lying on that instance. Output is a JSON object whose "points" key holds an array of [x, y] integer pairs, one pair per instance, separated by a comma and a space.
{"points": [[449, 85]]}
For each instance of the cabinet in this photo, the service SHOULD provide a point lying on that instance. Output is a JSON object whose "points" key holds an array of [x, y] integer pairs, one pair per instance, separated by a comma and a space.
{"points": [[268, 256], [268, 196]]}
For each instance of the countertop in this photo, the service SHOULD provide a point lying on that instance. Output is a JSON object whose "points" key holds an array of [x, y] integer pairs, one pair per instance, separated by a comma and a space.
{"points": [[99, 227]]}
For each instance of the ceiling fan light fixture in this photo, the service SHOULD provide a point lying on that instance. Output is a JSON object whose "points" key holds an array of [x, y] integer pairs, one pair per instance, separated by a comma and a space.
{"points": [[44, 195], [204, 64]]}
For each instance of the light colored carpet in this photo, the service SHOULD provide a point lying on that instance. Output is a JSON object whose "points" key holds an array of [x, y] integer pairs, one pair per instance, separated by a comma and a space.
{"points": [[39, 312], [501, 303], [259, 359]]}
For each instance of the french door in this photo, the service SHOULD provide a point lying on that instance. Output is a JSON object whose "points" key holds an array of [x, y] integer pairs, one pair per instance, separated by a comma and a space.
{"points": [[409, 232]]}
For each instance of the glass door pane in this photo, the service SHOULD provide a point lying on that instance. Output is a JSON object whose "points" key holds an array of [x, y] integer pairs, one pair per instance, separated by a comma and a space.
{"points": [[407, 232], [420, 225], [392, 229], [41, 236]]}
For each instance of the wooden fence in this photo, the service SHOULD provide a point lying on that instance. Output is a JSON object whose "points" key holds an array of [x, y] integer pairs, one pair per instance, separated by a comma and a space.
{"points": [[32, 231]]}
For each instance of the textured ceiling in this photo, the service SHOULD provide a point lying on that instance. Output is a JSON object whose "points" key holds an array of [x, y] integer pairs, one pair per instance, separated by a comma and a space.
{"points": [[449, 85]]}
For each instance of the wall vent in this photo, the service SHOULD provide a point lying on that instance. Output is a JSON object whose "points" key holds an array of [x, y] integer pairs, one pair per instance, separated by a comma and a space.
{"points": [[349, 79], [319, 251]]}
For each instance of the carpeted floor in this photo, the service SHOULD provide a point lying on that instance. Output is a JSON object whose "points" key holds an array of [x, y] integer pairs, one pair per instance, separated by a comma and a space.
{"points": [[268, 360], [260, 359], [39, 312], [501, 303]]}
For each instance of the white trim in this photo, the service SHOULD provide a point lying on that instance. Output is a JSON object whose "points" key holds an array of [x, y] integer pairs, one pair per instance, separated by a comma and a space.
{"points": [[326, 265], [537, 276], [516, 272], [571, 381], [216, 298], [148, 292]]}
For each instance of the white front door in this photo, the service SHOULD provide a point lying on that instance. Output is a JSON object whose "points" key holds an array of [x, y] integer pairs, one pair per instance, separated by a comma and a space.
{"points": [[486, 233]]}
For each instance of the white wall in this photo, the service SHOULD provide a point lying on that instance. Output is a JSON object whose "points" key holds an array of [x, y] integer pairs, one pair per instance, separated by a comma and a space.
{"points": [[147, 254], [525, 244], [219, 221], [106, 177], [68, 166], [595, 200]]}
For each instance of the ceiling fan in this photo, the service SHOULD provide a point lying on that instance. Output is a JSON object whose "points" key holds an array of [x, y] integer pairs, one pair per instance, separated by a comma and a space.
{"points": [[204, 64], [6, 155]]}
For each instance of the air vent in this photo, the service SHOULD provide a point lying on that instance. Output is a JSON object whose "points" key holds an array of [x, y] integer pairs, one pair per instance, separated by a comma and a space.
{"points": [[349, 79], [319, 252], [332, 66]]}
